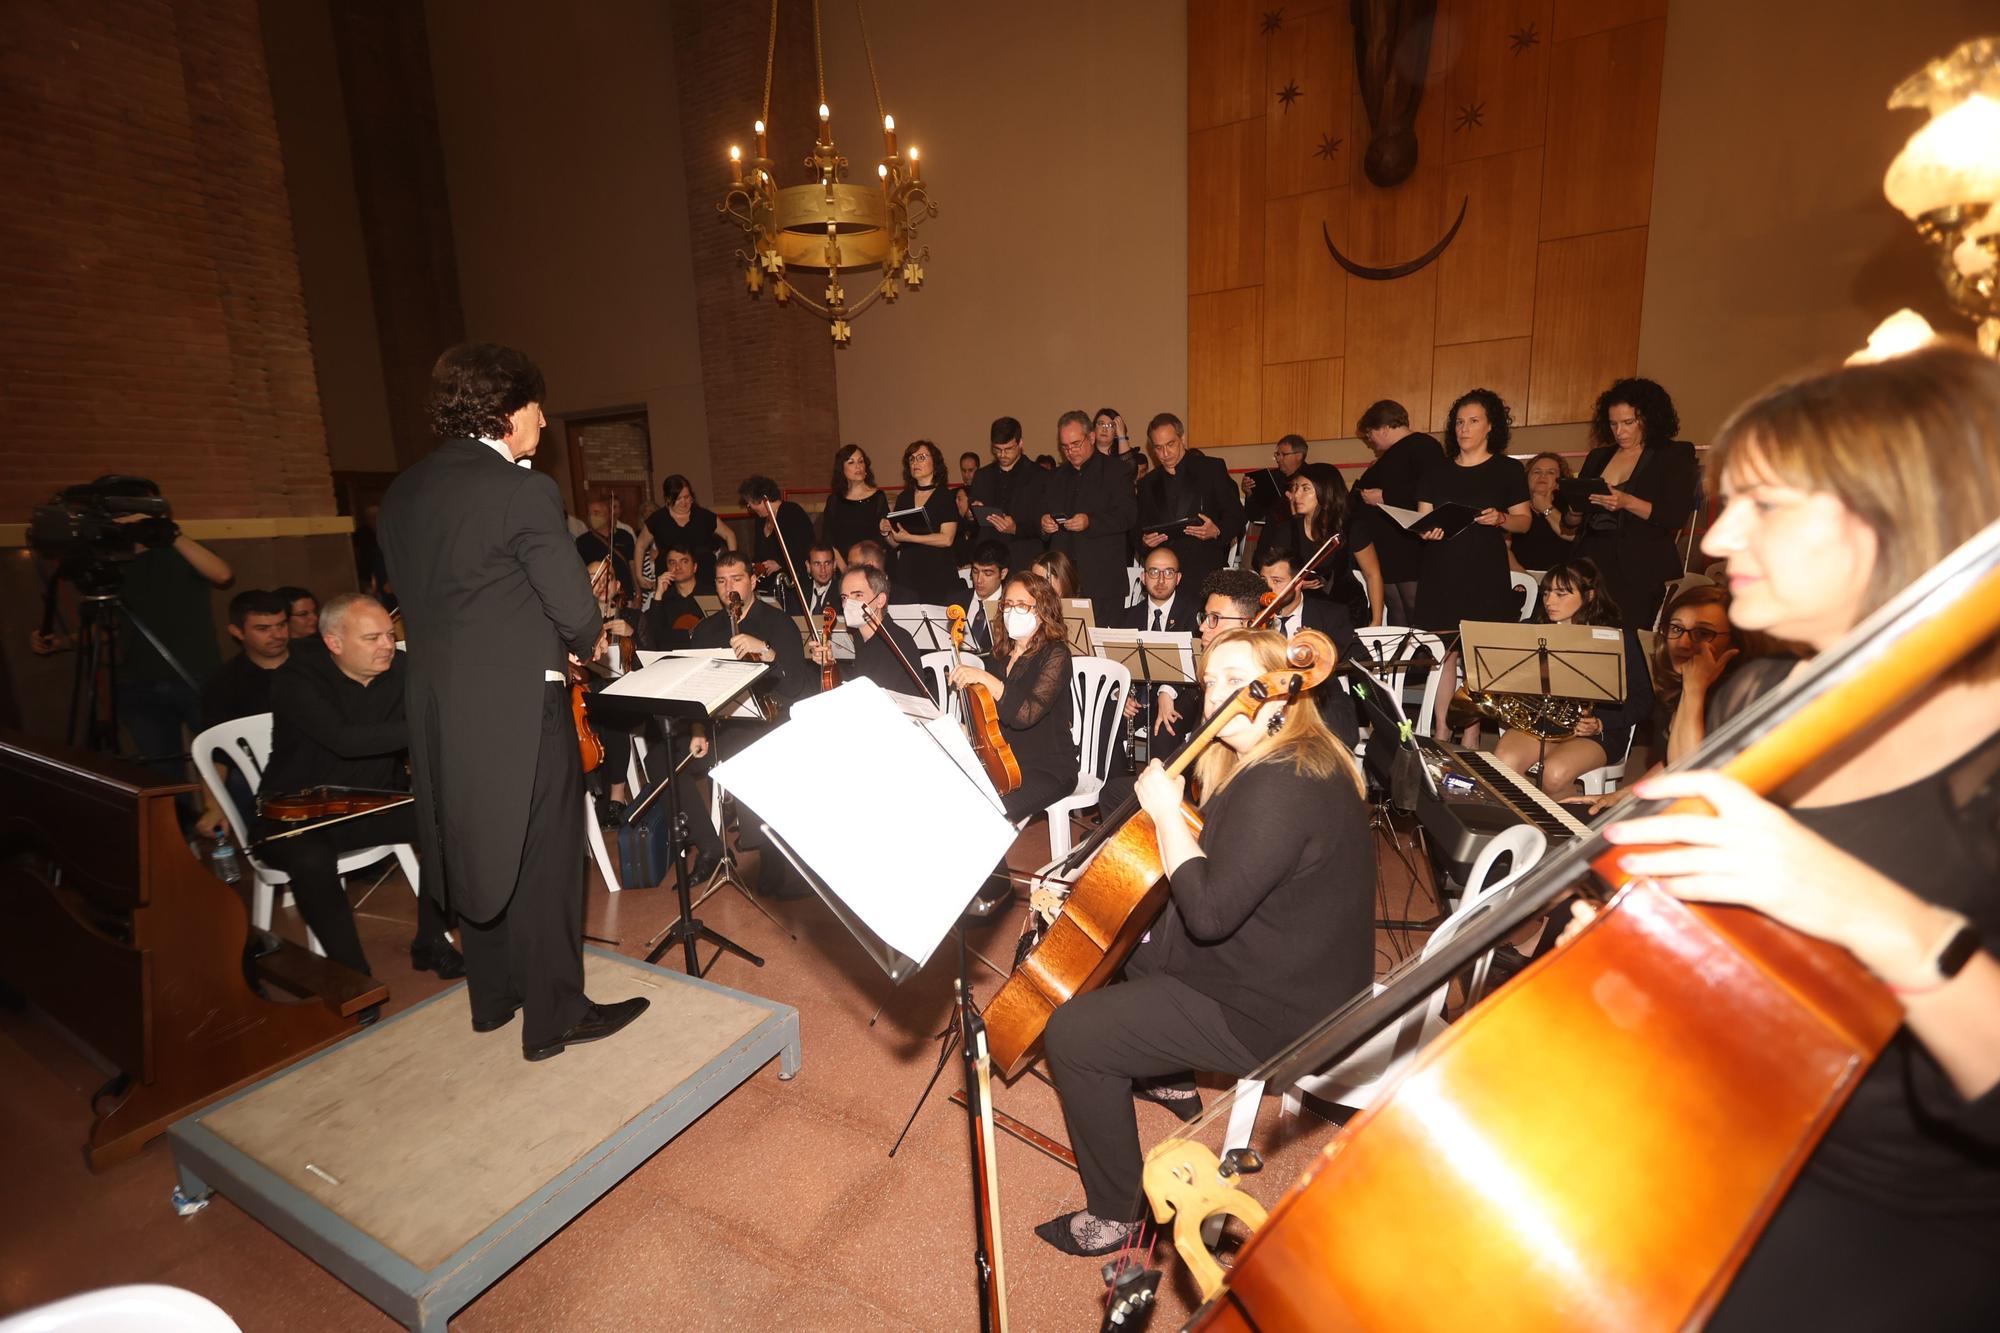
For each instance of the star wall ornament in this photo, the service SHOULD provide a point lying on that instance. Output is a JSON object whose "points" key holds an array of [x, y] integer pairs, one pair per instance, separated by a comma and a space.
{"points": [[1328, 146], [1289, 93], [1470, 117], [1523, 39], [1274, 19]]}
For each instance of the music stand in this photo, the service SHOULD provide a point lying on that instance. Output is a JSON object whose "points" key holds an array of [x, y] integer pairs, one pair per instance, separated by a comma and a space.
{"points": [[928, 626], [1577, 663], [1162, 657], [1079, 616], [681, 691]]}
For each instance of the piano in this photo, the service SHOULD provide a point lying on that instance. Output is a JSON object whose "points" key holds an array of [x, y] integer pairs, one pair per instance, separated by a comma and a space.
{"points": [[1478, 797]]}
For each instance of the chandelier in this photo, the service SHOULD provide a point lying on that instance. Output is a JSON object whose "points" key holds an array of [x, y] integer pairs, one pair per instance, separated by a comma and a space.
{"points": [[829, 227]]}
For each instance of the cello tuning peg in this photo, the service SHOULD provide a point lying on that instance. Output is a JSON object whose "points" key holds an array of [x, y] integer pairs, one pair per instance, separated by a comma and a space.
{"points": [[1240, 1162]]}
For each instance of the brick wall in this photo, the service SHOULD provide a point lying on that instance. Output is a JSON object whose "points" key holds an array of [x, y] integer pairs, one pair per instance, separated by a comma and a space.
{"points": [[767, 373], [154, 321]]}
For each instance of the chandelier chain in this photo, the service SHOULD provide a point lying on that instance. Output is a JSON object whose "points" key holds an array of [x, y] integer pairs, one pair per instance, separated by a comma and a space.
{"points": [[770, 63], [869, 52], [819, 54]]}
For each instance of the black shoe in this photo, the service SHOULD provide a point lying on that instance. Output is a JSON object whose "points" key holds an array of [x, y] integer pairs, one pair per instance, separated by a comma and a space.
{"points": [[996, 895], [367, 1017], [1187, 1106], [1057, 1233], [437, 956], [599, 1022], [495, 1024], [610, 813], [704, 868]]}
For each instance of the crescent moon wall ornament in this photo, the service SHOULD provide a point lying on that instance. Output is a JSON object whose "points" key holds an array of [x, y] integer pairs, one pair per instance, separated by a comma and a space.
{"points": [[1403, 270]]}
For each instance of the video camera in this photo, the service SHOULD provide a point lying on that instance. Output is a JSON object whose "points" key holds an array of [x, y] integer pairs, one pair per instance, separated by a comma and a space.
{"points": [[89, 529]]}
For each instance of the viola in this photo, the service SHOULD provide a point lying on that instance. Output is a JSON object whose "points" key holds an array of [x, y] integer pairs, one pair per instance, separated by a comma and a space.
{"points": [[1122, 888], [982, 720], [1599, 1143]]}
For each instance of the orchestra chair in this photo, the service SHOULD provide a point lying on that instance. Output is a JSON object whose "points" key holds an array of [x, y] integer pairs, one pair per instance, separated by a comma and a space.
{"points": [[1395, 649], [1529, 587], [1098, 689], [1135, 584], [1356, 1080], [935, 668], [155, 1308], [1598, 781], [246, 743]]}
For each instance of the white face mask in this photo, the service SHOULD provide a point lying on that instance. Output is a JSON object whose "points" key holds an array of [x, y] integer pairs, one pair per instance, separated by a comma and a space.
{"points": [[1020, 624], [853, 611]]}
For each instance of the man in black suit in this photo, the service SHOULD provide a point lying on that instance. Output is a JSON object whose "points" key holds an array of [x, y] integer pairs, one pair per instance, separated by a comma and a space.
{"points": [[1276, 563], [1005, 497], [1186, 483], [1087, 514], [982, 595], [1267, 491], [492, 591], [822, 583], [669, 622], [1165, 609], [881, 646]]}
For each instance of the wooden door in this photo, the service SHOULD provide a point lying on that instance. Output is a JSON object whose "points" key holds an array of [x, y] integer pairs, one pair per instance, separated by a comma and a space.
{"points": [[610, 455]]}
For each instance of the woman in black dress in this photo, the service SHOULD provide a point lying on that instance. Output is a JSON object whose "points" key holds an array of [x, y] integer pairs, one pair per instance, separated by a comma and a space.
{"points": [[1266, 931], [1573, 594], [683, 522], [1630, 532], [1319, 508], [1402, 456], [855, 506], [1546, 543], [1837, 491], [783, 536], [1466, 577], [923, 561]]}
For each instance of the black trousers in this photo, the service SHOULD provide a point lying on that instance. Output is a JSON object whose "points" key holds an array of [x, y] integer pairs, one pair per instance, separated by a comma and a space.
{"points": [[309, 859], [532, 953], [1037, 789], [1099, 1044]]}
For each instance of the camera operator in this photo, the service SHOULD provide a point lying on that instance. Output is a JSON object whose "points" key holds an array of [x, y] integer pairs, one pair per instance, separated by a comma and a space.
{"points": [[165, 584]]}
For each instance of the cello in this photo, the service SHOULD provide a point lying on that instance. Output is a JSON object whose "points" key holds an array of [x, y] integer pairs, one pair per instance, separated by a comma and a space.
{"points": [[1114, 901], [1712, 1045], [982, 720]]}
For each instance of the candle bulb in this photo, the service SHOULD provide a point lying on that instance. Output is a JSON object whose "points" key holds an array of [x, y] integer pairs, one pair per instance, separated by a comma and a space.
{"points": [[889, 133], [882, 174], [763, 151], [736, 164], [916, 172], [824, 115]]}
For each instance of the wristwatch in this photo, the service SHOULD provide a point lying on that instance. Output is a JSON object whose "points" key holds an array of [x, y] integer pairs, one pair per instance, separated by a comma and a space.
{"points": [[1957, 943]]}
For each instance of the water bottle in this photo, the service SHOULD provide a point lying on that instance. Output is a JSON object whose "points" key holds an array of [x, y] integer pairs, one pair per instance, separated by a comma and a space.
{"points": [[228, 868]]}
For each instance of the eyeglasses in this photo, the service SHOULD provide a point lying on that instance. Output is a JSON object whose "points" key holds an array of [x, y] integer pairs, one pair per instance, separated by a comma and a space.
{"points": [[1209, 619], [1161, 574], [1283, 453], [1017, 606], [1699, 633]]}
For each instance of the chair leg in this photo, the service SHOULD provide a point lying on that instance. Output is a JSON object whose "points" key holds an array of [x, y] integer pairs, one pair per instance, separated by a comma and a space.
{"points": [[1058, 834], [1249, 1096], [594, 833]]}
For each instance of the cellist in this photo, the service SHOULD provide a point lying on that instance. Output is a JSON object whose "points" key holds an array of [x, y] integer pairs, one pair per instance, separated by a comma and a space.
{"points": [[1267, 928], [1837, 490]]}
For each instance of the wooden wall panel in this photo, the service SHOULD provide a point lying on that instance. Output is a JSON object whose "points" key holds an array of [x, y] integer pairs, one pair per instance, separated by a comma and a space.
{"points": [[1587, 291], [1497, 92], [1391, 332], [1225, 367], [1226, 191], [1307, 143], [1304, 397], [1305, 292], [1486, 280], [1575, 18], [1225, 62], [1500, 365], [1604, 117]]}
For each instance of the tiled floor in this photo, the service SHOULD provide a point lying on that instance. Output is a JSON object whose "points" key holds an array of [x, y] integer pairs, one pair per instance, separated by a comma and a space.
{"points": [[779, 1209]]}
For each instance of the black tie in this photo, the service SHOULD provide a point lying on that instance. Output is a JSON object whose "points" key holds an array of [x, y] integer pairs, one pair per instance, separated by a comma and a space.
{"points": [[1156, 620], [979, 625]]}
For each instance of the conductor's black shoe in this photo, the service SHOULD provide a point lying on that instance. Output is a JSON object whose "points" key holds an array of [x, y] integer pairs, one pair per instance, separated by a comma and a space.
{"points": [[497, 1022], [599, 1022], [997, 894], [437, 956]]}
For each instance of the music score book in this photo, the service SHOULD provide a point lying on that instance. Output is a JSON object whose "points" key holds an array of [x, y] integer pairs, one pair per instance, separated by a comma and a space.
{"points": [[708, 676], [914, 521], [1450, 518]]}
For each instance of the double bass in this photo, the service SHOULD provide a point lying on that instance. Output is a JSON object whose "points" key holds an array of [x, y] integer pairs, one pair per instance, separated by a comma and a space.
{"points": [[1600, 1142], [1122, 889]]}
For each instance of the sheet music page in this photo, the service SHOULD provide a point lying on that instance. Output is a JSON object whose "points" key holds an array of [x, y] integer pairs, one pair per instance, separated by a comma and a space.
{"points": [[948, 838], [926, 624], [710, 677], [1403, 517]]}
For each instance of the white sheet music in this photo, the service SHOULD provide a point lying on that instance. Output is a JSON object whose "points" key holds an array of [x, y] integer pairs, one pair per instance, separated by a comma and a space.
{"points": [[949, 833], [710, 677], [927, 624]]}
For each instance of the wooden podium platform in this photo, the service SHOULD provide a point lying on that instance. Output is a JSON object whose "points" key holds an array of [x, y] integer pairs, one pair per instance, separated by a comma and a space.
{"points": [[418, 1160]]}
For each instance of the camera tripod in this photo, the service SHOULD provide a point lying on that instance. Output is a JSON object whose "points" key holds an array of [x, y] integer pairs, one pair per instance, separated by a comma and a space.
{"points": [[93, 696]]}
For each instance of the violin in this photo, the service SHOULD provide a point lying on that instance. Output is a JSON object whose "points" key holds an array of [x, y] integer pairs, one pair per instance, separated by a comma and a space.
{"points": [[623, 648], [982, 720], [1269, 602], [829, 674], [766, 705], [1708, 1046], [589, 745], [316, 807], [1121, 890]]}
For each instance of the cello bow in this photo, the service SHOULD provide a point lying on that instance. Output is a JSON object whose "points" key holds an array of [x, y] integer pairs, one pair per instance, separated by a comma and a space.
{"points": [[1775, 1028]]}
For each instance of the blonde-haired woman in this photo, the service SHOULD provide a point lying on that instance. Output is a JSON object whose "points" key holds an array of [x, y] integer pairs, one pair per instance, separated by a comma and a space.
{"points": [[1838, 490], [1268, 928]]}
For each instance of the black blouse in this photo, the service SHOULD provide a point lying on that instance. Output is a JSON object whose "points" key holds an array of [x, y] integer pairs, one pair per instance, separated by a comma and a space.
{"points": [[930, 571], [1035, 710], [698, 534], [844, 522]]}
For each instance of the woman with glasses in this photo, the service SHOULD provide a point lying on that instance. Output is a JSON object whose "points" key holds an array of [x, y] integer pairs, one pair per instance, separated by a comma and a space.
{"points": [[1319, 509], [1573, 594], [1547, 541], [855, 505], [923, 559], [1630, 531], [1696, 648]]}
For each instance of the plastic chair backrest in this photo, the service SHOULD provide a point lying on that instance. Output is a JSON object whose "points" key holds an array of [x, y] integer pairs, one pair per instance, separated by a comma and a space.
{"points": [[244, 742], [936, 669], [1529, 587], [1098, 689]]}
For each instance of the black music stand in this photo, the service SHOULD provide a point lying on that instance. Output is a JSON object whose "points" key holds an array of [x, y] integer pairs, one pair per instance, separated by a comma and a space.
{"points": [[1163, 657], [674, 711], [1559, 663]]}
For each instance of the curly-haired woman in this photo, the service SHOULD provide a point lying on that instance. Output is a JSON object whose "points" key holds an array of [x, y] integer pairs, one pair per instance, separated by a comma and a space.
{"points": [[1630, 531]]}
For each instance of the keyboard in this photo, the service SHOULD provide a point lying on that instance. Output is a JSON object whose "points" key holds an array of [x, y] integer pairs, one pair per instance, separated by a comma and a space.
{"points": [[1462, 820]]}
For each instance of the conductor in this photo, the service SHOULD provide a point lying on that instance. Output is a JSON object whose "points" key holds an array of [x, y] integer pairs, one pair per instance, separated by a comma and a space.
{"points": [[492, 592]]}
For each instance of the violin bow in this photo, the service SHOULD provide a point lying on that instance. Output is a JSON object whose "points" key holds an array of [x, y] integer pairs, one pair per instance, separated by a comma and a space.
{"points": [[785, 550], [916, 676]]}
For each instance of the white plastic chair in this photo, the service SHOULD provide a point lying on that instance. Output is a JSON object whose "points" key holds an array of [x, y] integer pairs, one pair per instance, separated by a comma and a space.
{"points": [[149, 1306], [1135, 584], [1355, 1080], [1394, 649], [1529, 587], [1098, 689], [246, 743], [935, 667], [1601, 780]]}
